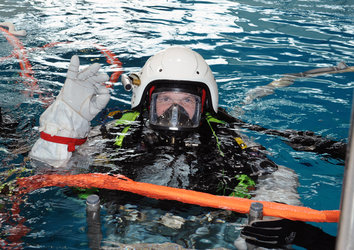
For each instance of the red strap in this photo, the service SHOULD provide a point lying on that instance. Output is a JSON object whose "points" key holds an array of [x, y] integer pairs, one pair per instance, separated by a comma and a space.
{"points": [[71, 142], [203, 98]]}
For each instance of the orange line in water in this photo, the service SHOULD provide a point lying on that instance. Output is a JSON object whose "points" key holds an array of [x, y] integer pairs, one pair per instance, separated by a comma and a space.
{"points": [[120, 182], [20, 53]]}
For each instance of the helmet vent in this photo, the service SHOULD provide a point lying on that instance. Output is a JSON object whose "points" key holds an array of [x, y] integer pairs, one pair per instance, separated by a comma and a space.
{"points": [[197, 72], [160, 70]]}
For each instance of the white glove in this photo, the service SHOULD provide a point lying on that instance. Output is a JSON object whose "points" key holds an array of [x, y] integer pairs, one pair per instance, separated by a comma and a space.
{"points": [[83, 90], [82, 97]]}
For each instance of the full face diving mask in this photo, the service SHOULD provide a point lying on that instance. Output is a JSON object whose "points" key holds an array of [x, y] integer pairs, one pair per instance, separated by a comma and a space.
{"points": [[174, 110]]}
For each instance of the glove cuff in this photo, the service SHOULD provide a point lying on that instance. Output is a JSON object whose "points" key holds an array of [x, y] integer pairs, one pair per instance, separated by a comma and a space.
{"points": [[61, 120], [54, 154], [71, 142]]}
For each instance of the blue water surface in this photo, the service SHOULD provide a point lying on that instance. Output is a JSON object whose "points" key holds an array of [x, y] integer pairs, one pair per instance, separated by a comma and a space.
{"points": [[247, 43]]}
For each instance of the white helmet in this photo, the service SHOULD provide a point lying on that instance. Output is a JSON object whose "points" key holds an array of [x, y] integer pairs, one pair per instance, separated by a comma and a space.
{"points": [[179, 65]]}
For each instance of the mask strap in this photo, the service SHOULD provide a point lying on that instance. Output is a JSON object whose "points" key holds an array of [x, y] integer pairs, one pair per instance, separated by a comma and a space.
{"points": [[150, 93], [203, 99]]}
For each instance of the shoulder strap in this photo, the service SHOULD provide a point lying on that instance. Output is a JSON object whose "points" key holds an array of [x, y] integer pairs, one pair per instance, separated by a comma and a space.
{"points": [[213, 119], [209, 118], [126, 119]]}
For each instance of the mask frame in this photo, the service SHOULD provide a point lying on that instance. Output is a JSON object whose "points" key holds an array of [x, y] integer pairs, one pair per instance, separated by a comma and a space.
{"points": [[175, 109]]}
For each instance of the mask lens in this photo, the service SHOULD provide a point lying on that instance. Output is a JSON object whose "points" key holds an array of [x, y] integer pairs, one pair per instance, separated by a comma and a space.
{"points": [[175, 110]]}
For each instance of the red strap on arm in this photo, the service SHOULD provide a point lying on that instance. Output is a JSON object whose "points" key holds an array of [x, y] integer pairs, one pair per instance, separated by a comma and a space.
{"points": [[71, 142]]}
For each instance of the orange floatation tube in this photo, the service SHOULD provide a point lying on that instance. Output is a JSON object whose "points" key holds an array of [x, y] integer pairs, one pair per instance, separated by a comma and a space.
{"points": [[120, 182]]}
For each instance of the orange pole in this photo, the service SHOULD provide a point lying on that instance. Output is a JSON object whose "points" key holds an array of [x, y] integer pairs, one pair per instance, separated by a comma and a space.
{"points": [[120, 182]]}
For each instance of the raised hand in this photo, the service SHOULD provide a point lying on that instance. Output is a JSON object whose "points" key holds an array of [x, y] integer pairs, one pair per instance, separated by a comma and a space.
{"points": [[83, 90]]}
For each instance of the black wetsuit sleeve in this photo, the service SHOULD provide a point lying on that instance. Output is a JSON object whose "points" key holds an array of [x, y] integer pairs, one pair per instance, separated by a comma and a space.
{"points": [[314, 238], [306, 141]]}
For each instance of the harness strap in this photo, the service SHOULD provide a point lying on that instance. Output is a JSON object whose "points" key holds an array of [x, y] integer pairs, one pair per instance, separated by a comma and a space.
{"points": [[127, 119], [209, 119], [71, 142]]}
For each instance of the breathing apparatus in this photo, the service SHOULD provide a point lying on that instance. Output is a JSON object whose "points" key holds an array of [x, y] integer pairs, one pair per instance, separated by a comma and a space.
{"points": [[175, 108], [178, 70]]}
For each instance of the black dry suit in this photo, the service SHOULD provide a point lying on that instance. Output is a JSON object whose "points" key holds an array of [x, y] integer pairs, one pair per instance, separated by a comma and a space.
{"points": [[212, 159]]}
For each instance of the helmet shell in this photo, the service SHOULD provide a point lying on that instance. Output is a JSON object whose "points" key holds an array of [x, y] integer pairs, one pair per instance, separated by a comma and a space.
{"points": [[176, 64]]}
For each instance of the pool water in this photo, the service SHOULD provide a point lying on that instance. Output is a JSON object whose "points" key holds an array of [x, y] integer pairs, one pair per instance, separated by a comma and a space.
{"points": [[246, 43]]}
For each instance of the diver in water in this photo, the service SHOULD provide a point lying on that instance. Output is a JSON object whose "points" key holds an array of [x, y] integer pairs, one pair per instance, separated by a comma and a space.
{"points": [[175, 134]]}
